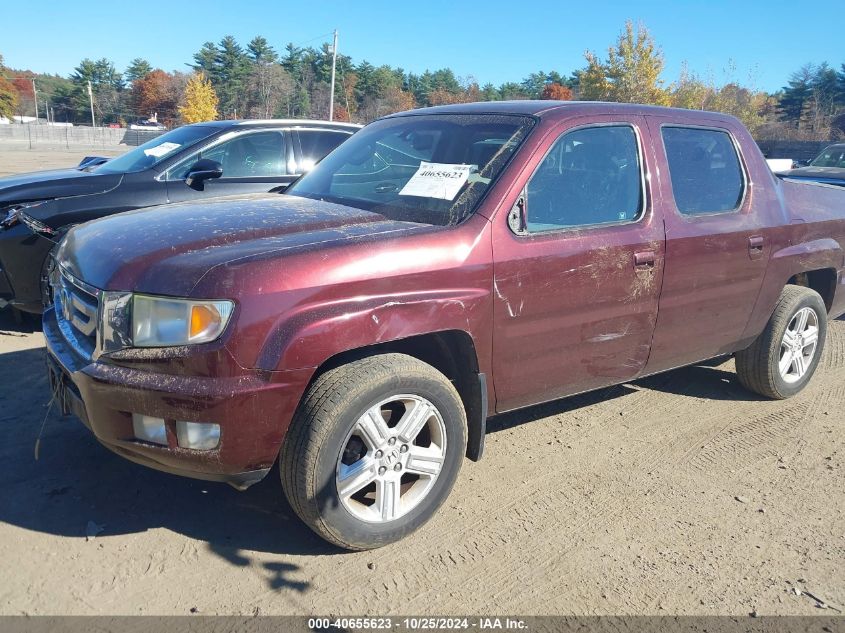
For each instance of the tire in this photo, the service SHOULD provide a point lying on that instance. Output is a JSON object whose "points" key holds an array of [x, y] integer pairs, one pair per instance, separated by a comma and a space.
{"points": [[761, 367], [337, 440]]}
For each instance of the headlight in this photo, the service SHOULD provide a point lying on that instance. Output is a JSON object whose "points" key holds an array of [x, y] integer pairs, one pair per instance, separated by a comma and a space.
{"points": [[134, 320], [160, 322]]}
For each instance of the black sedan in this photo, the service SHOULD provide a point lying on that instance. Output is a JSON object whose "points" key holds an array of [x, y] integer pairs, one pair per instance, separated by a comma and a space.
{"points": [[195, 161], [828, 167]]}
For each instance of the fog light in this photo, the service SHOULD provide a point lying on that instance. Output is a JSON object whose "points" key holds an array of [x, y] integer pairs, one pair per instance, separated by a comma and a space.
{"points": [[149, 429], [200, 436]]}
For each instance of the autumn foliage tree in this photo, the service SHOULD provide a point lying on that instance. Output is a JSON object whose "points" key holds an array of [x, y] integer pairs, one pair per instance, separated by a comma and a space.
{"points": [[631, 72], [200, 100], [154, 94], [556, 92], [8, 94]]}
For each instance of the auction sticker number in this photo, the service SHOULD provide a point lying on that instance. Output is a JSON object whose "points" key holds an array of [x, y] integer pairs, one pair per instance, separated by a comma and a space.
{"points": [[316, 624]]}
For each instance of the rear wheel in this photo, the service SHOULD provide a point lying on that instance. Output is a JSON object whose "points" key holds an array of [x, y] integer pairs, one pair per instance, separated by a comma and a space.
{"points": [[783, 359], [373, 450]]}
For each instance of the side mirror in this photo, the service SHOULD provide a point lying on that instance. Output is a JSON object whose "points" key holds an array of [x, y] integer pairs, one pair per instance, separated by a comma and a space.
{"points": [[517, 220], [202, 170]]}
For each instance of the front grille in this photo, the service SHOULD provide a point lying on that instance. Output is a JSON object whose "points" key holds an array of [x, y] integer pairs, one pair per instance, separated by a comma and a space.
{"points": [[77, 306]]}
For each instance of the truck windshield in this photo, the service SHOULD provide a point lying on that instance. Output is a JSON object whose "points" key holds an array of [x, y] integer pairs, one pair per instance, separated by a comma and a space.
{"points": [[833, 156], [431, 169], [153, 152]]}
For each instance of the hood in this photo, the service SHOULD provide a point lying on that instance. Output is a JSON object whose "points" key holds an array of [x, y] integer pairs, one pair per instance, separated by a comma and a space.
{"points": [[816, 173], [166, 250], [55, 183]]}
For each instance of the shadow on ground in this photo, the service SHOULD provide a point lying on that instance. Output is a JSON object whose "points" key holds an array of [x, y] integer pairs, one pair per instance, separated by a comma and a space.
{"points": [[16, 322], [76, 480], [707, 380]]}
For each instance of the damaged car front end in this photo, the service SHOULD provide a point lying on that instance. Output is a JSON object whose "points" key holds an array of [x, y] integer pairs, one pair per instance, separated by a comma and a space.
{"points": [[20, 229]]}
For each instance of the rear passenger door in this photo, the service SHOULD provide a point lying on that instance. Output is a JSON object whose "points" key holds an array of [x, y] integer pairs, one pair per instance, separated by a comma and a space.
{"points": [[716, 251], [576, 290], [254, 161]]}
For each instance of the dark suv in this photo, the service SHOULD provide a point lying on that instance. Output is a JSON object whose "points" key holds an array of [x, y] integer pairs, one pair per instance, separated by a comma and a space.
{"points": [[189, 163]]}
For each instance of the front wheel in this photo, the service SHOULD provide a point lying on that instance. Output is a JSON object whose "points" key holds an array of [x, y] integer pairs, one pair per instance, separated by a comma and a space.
{"points": [[785, 356], [373, 450]]}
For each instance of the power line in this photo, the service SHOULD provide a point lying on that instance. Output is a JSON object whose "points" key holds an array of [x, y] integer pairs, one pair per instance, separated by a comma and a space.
{"points": [[312, 39]]}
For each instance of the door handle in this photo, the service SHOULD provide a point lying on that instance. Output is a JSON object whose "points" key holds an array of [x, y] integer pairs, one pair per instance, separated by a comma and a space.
{"points": [[644, 260], [755, 246]]}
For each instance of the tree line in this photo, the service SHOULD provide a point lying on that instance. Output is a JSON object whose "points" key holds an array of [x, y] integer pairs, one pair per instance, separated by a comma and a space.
{"points": [[227, 80]]}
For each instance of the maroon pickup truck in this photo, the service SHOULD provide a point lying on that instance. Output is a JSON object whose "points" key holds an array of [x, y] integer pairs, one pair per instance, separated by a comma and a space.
{"points": [[441, 266]]}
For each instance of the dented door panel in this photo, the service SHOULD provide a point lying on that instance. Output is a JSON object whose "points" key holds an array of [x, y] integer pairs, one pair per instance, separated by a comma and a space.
{"points": [[575, 310]]}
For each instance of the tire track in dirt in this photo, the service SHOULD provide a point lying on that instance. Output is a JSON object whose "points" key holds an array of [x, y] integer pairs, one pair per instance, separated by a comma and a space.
{"points": [[585, 512], [834, 349], [517, 513]]}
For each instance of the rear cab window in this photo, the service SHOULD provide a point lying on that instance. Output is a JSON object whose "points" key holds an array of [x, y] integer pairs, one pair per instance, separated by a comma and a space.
{"points": [[704, 168]]}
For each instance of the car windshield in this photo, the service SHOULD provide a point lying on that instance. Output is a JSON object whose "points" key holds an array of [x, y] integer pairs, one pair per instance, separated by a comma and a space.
{"points": [[431, 169], [833, 156], [153, 152]]}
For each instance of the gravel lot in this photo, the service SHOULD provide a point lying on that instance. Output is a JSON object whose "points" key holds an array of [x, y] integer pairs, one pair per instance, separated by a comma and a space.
{"points": [[677, 494]]}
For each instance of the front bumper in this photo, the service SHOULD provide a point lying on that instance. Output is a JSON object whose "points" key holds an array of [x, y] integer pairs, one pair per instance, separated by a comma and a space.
{"points": [[253, 410]]}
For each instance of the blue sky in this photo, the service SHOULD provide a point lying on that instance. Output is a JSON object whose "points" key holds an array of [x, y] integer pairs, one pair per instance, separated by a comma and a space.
{"points": [[491, 40]]}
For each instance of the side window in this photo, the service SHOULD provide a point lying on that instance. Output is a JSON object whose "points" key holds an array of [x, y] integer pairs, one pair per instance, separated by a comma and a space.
{"points": [[316, 144], [704, 169], [255, 155], [591, 176]]}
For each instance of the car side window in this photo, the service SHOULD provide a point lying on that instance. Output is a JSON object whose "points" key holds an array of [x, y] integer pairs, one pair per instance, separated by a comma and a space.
{"points": [[316, 144], [253, 155], [591, 176], [704, 169]]}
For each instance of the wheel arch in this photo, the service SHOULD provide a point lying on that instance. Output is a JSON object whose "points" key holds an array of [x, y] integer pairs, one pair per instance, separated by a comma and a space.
{"points": [[813, 264], [822, 280], [453, 353]]}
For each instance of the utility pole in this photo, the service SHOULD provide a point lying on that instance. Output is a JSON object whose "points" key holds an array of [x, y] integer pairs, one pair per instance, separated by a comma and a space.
{"points": [[334, 65], [35, 99], [91, 101]]}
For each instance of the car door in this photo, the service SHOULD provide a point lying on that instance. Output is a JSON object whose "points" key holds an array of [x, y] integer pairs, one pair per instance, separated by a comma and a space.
{"points": [[311, 145], [716, 247], [253, 161], [576, 287]]}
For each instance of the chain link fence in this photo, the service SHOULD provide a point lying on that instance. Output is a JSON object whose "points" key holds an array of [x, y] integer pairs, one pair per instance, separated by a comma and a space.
{"points": [[68, 137]]}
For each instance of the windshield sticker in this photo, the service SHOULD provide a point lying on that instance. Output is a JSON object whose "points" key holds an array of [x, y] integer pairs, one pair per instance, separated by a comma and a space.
{"points": [[437, 180], [160, 150]]}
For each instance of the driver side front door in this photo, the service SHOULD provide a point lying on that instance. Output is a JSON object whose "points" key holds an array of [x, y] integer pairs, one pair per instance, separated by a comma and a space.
{"points": [[253, 162]]}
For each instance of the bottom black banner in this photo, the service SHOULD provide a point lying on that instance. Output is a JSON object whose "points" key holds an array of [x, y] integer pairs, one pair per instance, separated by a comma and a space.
{"points": [[565, 624]]}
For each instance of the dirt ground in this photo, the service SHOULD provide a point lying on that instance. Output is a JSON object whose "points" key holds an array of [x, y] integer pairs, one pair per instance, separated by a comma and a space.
{"points": [[678, 494], [15, 158]]}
